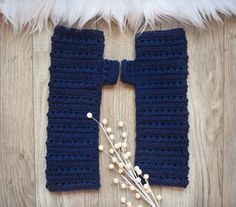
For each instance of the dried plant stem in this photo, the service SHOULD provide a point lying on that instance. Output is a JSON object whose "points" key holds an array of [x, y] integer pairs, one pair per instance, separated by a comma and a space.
{"points": [[141, 192], [104, 130], [131, 176]]}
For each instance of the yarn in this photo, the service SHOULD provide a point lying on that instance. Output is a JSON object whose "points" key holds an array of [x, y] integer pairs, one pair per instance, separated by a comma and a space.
{"points": [[159, 74], [77, 74]]}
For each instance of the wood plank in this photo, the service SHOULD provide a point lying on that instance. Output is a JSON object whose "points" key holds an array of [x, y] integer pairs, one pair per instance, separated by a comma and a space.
{"points": [[118, 103], [212, 120], [44, 198], [16, 125], [229, 168], [205, 93], [41, 61]]}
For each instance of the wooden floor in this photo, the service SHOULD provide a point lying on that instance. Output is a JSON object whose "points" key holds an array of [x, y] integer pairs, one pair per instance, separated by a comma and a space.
{"points": [[24, 76]]}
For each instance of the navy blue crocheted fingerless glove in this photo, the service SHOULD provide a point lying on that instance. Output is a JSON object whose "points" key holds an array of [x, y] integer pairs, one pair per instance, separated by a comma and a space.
{"points": [[78, 73], [159, 74]]}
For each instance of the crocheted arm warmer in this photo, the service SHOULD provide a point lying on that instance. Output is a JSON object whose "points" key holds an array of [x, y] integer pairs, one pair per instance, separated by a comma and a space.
{"points": [[159, 74], [78, 73]]}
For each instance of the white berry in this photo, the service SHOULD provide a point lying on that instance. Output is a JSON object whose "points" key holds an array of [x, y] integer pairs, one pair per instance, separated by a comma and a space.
{"points": [[125, 156], [128, 204], [120, 171], [100, 147], [124, 135], [138, 179], [112, 137], [139, 172], [120, 124], [146, 176], [108, 130], [159, 197], [104, 121], [124, 144], [116, 180], [117, 145], [123, 185], [132, 188], [111, 166], [129, 166], [122, 200], [137, 195], [120, 165], [148, 190], [136, 168], [146, 186], [89, 115], [128, 154], [114, 159], [111, 151]]}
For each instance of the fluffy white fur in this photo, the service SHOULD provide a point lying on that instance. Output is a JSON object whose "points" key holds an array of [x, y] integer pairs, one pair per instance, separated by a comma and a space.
{"points": [[134, 13]]}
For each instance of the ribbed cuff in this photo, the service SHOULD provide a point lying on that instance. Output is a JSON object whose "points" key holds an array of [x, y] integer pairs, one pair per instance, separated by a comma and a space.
{"points": [[128, 71], [161, 45], [77, 44], [110, 72]]}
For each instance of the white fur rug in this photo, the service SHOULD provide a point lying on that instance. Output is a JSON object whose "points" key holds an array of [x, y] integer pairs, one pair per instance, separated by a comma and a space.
{"points": [[137, 14]]}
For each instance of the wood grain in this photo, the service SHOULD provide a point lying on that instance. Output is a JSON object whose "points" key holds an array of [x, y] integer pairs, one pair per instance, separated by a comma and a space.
{"points": [[17, 180], [117, 104], [229, 163], [205, 94], [41, 61], [24, 76]]}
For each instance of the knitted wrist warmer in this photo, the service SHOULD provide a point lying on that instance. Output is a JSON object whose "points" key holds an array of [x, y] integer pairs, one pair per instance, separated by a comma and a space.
{"points": [[159, 74], [78, 73]]}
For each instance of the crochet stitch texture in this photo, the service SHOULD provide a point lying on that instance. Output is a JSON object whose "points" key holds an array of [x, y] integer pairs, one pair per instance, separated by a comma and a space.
{"points": [[78, 73], [159, 74]]}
